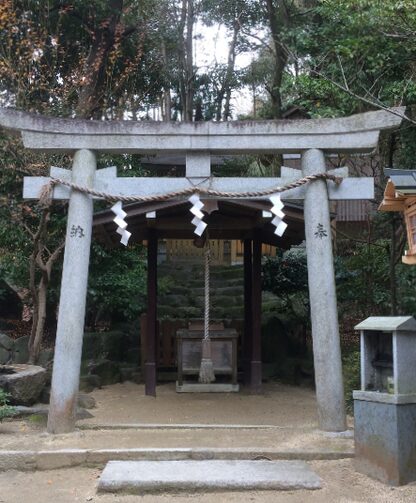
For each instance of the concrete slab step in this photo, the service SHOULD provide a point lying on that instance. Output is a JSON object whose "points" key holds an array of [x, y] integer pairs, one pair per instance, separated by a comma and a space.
{"points": [[138, 477]]}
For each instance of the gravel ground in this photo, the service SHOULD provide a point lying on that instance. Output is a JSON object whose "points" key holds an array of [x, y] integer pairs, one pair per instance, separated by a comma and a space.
{"points": [[291, 409]]}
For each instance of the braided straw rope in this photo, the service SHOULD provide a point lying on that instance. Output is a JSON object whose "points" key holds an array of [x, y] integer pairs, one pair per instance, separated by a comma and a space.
{"points": [[206, 369], [47, 190]]}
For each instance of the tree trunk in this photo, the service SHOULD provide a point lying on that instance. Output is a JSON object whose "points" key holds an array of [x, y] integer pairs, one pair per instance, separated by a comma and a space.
{"points": [[278, 19], [219, 101], [34, 349], [182, 58], [90, 96], [189, 69], [230, 71], [167, 101]]}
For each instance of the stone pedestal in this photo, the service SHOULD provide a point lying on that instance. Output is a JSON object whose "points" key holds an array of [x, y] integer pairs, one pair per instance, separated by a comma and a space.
{"points": [[385, 436]]}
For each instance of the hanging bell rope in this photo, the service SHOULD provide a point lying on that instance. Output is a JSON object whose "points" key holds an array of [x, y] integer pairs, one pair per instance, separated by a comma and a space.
{"points": [[206, 371]]}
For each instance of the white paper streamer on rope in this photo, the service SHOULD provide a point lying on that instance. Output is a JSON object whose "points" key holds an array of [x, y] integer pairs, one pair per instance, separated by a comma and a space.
{"points": [[120, 215], [279, 215], [197, 205]]}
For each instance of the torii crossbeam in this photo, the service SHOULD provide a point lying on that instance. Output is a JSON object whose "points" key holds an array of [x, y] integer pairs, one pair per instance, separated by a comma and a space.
{"points": [[311, 138]]}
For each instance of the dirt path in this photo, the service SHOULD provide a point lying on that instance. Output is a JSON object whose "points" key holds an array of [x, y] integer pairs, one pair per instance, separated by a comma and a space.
{"points": [[279, 405], [341, 484], [292, 410]]}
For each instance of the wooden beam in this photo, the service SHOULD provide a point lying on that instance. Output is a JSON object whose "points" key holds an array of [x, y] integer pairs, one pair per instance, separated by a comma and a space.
{"points": [[255, 364], [248, 314], [150, 359]]}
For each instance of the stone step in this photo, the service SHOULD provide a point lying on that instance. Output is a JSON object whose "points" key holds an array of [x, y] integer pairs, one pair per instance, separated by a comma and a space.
{"points": [[138, 477]]}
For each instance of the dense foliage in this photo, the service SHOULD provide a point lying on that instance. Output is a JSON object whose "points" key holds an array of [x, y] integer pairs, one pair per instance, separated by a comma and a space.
{"points": [[131, 59], [116, 287]]}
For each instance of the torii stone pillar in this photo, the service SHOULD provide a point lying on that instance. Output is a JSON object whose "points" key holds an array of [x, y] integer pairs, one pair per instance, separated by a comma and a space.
{"points": [[70, 330], [323, 297]]}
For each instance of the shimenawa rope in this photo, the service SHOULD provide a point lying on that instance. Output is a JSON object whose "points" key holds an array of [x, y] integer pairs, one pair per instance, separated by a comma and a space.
{"points": [[47, 191]]}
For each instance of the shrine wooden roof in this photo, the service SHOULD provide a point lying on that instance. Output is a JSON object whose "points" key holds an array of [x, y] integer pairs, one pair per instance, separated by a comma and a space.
{"points": [[400, 187], [234, 219]]}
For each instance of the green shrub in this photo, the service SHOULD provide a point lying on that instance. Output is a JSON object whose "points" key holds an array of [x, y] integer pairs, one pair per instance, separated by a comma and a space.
{"points": [[351, 369], [5, 409]]}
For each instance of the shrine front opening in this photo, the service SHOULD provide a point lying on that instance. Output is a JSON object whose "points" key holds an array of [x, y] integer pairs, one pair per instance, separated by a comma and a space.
{"points": [[247, 221]]}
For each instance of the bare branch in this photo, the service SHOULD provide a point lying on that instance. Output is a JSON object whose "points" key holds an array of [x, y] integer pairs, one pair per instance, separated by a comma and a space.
{"points": [[373, 103], [29, 231], [256, 37], [343, 73]]}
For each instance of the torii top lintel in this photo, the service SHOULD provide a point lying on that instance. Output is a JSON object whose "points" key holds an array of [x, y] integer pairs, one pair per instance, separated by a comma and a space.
{"points": [[357, 133]]}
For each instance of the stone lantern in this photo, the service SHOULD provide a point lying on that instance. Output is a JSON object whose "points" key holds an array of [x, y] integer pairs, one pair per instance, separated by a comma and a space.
{"points": [[385, 407]]}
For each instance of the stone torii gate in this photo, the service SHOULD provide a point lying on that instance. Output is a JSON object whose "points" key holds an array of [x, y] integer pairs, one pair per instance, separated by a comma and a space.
{"points": [[311, 138]]}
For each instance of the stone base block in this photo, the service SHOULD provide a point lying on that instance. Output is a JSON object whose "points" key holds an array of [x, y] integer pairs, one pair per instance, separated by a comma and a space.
{"points": [[385, 441], [139, 477], [194, 387]]}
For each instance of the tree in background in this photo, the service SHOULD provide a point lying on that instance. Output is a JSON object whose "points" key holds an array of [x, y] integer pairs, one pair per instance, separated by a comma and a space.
{"points": [[135, 59], [70, 58]]}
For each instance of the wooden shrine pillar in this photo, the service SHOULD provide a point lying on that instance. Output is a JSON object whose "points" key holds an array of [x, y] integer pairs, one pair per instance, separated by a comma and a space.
{"points": [[151, 324], [255, 364], [248, 313]]}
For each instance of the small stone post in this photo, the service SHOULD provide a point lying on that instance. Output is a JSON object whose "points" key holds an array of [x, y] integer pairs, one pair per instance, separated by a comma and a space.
{"points": [[70, 330], [323, 299]]}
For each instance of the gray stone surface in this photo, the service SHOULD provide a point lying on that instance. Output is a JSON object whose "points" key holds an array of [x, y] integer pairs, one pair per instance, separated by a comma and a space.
{"points": [[400, 333], [350, 188], [45, 358], [385, 441], [5, 356], [404, 358], [24, 384], [323, 298], [26, 460], [42, 410], [195, 387], [89, 383], [349, 134], [20, 350], [198, 164], [86, 401], [375, 396], [388, 323], [6, 342], [70, 329], [140, 477]]}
